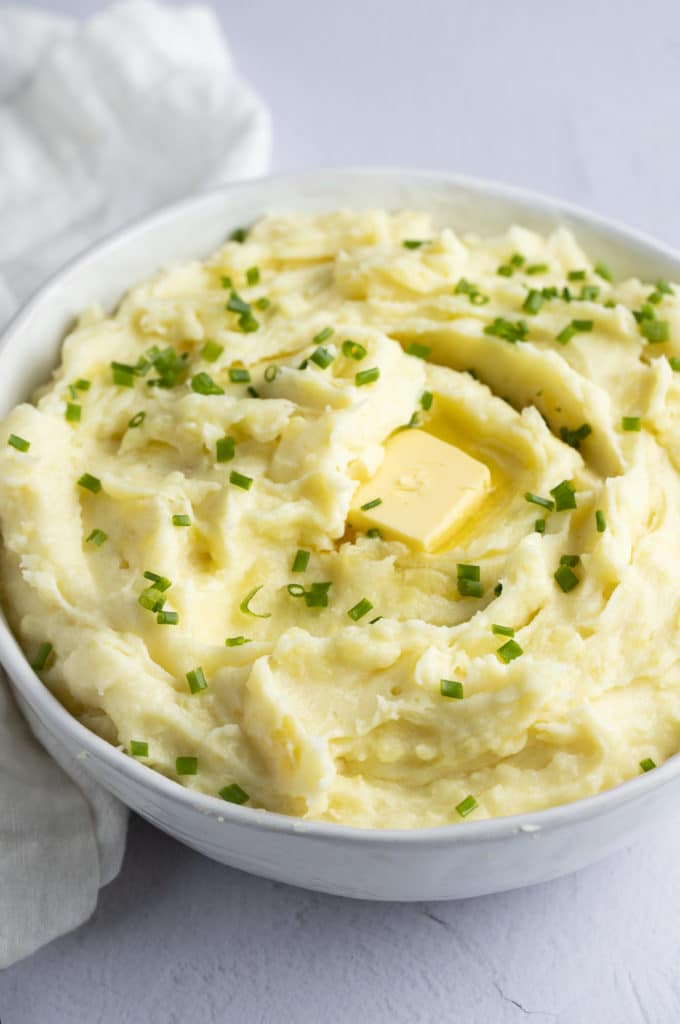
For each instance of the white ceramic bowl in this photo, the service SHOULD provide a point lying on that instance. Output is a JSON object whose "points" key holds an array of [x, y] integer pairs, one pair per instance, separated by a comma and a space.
{"points": [[437, 863]]}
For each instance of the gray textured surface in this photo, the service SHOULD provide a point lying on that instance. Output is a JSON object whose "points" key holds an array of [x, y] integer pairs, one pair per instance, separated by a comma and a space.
{"points": [[581, 101]]}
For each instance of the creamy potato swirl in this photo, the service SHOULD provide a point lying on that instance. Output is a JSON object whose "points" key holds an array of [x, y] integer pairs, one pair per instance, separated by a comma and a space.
{"points": [[561, 380]]}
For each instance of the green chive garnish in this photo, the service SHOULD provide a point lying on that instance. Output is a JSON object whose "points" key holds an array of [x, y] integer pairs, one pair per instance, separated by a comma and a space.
{"points": [[167, 618], [603, 271], [225, 448], [600, 521], [517, 260], [42, 656], [239, 235], [239, 375], [248, 323], [504, 270], [353, 350], [263, 302], [317, 595], [574, 437], [226, 282], [655, 331], [564, 495], [571, 560], [360, 609], [631, 423], [234, 794], [123, 375], [502, 630], [139, 748], [97, 537], [203, 384], [73, 411], [374, 532], [470, 588], [151, 599], [90, 483], [533, 302], [675, 363], [20, 443], [426, 400], [186, 765], [271, 373], [239, 480], [323, 335], [301, 560], [196, 680], [539, 526], [537, 268], [413, 243], [419, 351], [237, 641], [588, 293], [536, 499], [181, 520], [238, 305], [576, 275], [137, 420], [296, 590], [371, 504], [211, 351], [451, 688], [322, 357], [366, 376], [509, 651], [253, 276], [161, 583], [647, 764], [498, 589], [566, 578], [245, 604], [82, 385], [468, 572], [512, 331], [467, 806]]}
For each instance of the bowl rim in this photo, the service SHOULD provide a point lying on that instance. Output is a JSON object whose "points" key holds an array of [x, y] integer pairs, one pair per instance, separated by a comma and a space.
{"points": [[70, 733]]}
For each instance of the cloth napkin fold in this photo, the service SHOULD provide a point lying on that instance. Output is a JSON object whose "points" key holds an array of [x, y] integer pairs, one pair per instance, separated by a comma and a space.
{"points": [[100, 121]]}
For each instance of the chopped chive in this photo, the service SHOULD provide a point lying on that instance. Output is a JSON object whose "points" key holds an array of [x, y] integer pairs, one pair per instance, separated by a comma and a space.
{"points": [[226, 281], [136, 420], [537, 268], [588, 293], [571, 560], [151, 599], [467, 806], [376, 619], [97, 537], [317, 595], [647, 764], [470, 588], [566, 334], [353, 350], [664, 287], [225, 448], [603, 271], [139, 748], [361, 608], [322, 357], [123, 375], [239, 235], [413, 422], [413, 243], [539, 526], [374, 532], [600, 521], [646, 312], [536, 499], [196, 680], [161, 583], [72, 392], [509, 651], [42, 656], [371, 504], [248, 323], [502, 630], [675, 363], [576, 275], [655, 331], [323, 335], [426, 400], [245, 604], [211, 351], [366, 376], [203, 384], [82, 384], [237, 641], [238, 305], [181, 520], [167, 618], [234, 794], [90, 483], [550, 292], [263, 302], [186, 765], [564, 495], [296, 590], [517, 260], [566, 578], [582, 325], [20, 443], [239, 480], [498, 589], [451, 688], [504, 270], [574, 437], [252, 392], [566, 294], [239, 375], [271, 373], [419, 351], [73, 411], [301, 560], [253, 276], [468, 572], [512, 331], [631, 423], [533, 302]]}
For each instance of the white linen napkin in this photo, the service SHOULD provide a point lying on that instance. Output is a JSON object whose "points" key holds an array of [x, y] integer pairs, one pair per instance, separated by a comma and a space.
{"points": [[100, 121]]}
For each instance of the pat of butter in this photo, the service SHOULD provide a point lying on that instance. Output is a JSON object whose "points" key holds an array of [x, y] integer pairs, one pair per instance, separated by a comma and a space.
{"points": [[427, 488]]}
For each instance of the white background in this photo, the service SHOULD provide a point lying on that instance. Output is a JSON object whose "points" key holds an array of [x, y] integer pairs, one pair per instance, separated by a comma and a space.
{"points": [[581, 100]]}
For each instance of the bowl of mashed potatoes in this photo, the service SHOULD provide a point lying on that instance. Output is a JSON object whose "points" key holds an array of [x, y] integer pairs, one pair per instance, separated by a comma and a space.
{"points": [[339, 520]]}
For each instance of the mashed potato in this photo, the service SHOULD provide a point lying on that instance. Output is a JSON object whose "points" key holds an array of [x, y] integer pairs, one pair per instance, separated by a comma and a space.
{"points": [[177, 559]]}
